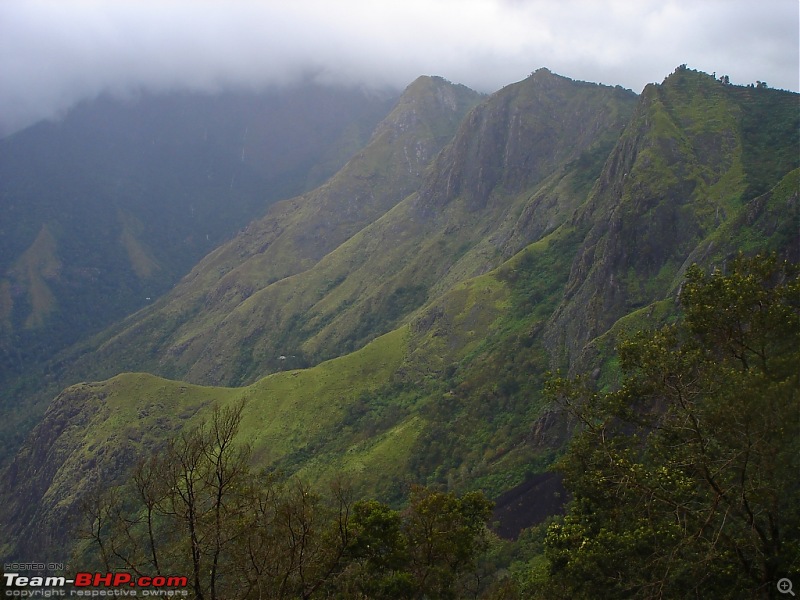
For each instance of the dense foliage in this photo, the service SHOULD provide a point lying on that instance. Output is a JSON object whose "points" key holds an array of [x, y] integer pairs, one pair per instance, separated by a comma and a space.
{"points": [[684, 481]]}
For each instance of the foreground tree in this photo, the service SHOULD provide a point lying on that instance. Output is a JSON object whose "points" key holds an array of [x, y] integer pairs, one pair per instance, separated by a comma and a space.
{"points": [[197, 509], [428, 550], [685, 479], [445, 535], [182, 508]]}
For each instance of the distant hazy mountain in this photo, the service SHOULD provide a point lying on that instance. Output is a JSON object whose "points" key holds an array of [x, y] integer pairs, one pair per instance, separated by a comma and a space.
{"points": [[104, 210]]}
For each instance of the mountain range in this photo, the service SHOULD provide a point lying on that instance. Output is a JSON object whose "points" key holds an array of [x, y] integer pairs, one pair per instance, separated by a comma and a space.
{"points": [[397, 321], [107, 208]]}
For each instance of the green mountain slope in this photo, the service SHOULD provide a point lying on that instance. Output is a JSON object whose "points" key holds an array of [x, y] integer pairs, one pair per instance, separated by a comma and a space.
{"points": [[347, 279], [287, 243], [484, 281], [107, 208], [681, 170]]}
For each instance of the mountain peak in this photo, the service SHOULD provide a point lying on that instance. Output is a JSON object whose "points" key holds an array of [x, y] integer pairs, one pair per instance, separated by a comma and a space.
{"points": [[432, 98], [521, 133], [543, 72], [683, 74]]}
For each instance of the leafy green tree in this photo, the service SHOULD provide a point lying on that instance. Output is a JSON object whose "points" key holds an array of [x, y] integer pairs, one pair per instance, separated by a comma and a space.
{"points": [[428, 550], [685, 479], [380, 554], [445, 536]]}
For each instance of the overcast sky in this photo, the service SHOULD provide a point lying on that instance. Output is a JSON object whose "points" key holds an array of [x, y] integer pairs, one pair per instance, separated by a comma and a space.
{"points": [[55, 53]]}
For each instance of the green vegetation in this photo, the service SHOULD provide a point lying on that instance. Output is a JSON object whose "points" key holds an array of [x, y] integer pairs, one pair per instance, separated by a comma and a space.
{"points": [[395, 327], [196, 507], [681, 481], [684, 480]]}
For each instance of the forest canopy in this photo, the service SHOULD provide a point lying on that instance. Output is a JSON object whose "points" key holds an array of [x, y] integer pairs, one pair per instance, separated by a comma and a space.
{"points": [[684, 480]]}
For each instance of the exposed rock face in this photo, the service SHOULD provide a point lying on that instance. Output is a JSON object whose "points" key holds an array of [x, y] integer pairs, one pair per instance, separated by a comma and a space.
{"points": [[677, 172], [323, 273], [522, 135]]}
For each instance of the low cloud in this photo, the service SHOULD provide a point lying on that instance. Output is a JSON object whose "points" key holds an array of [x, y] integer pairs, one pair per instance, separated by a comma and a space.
{"points": [[56, 53]]}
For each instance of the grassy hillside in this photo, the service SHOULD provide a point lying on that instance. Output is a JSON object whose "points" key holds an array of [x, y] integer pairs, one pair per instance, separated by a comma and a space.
{"points": [[322, 275], [454, 398]]}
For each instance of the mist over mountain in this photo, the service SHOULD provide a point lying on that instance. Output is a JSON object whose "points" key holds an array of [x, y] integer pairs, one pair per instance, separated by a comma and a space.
{"points": [[56, 54], [103, 211], [397, 322]]}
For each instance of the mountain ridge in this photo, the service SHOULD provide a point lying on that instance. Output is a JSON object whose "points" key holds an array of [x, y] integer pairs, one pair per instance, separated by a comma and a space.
{"points": [[668, 178], [292, 224], [411, 222]]}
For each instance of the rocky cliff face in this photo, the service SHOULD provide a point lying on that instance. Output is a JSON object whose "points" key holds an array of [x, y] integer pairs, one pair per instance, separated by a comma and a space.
{"points": [[523, 135], [323, 273], [679, 171]]}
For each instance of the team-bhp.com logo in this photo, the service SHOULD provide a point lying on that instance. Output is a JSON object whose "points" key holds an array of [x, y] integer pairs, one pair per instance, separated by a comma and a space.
{"points": [[94, 584]]}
